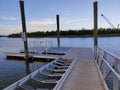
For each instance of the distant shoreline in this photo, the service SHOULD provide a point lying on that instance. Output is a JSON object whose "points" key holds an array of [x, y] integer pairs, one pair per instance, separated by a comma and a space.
{"points": [[72, 33], [113, 35]]}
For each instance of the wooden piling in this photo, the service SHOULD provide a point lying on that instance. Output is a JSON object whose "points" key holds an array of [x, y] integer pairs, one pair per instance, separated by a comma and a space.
{"points": [[24, 35], [27, 64], [58, 30], [95, 27]]}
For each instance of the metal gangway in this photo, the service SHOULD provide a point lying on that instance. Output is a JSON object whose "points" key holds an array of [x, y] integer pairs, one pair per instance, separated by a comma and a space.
{"points": [[109, 68]]}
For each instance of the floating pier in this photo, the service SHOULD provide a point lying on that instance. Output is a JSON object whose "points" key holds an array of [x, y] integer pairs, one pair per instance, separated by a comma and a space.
{"points": [[33, 57], [39, 53], [76, 70]]}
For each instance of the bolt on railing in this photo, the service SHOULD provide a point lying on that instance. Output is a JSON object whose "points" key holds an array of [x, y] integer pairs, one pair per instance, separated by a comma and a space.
{"points": [[109, 70]]}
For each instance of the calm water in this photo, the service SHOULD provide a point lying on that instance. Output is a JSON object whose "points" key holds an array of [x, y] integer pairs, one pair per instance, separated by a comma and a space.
{"points": [[11, 71]]}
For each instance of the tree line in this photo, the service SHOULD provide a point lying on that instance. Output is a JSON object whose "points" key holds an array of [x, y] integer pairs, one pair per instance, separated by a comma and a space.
{"points": [[3, 36], [84, 32]]}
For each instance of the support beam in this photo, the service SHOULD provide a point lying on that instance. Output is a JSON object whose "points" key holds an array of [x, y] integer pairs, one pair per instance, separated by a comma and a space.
{"points": [[24, 35], [95, 27], [58, 30]]}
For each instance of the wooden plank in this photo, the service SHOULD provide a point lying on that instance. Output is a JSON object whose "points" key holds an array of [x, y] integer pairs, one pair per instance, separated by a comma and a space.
{"points": [[15, 54], [45, 56], [39, 56]]}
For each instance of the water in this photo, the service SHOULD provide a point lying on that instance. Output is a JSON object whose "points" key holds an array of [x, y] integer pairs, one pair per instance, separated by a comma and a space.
{"points": [[11, 71]]}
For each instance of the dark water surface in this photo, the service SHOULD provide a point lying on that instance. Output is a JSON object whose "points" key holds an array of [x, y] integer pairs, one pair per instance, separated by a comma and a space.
{"points": [[13, 70]]}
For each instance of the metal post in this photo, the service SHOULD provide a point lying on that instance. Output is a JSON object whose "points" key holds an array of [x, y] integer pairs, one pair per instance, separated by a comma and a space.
{"points": [[24, 28], [115, 80], [104, 65], [95, 28], [58, 30]]}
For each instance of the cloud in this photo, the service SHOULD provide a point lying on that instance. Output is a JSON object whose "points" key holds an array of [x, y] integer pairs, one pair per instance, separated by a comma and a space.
{"points": [[45, 25], [68, 20], [8, 18], [42, 22], [8, 29]]}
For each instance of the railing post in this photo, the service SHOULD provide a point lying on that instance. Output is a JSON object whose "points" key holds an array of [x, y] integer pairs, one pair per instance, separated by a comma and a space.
{"points": [[116, 81], [51, 43], [105, 55], [104, 65], [98, 53], [95, 28], [98, 57]]}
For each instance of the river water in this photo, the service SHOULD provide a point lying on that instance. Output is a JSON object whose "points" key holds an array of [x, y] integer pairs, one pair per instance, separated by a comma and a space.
{"points": [[13, 70]]}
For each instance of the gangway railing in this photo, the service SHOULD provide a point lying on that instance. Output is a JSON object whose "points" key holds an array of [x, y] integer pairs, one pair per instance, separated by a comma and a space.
{"points": [[41, 43], [109, 68], [38, 45]]}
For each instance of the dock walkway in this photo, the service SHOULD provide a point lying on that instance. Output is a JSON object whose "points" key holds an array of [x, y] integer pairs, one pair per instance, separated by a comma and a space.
{"points": [[82, 74], [85, 75]]}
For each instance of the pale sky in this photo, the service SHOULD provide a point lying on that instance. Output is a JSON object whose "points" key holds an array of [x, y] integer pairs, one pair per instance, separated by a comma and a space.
{"points": [[41, 14]]}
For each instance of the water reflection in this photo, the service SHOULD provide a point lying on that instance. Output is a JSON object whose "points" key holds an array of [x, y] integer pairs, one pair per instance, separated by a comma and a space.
{"points": [[14, 70], [32, 66]]}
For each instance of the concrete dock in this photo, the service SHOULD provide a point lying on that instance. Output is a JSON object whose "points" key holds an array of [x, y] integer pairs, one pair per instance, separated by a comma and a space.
{"points": [[84, 75]]}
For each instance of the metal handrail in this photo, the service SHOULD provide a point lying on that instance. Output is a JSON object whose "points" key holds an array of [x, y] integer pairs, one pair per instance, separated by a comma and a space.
{"points": [[102, 62], [61, 82], [118, 76], [26, 78], [109, 53]]}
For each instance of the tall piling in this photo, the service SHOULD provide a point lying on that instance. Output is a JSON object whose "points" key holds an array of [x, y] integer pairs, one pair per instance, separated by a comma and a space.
{"points": [[23, 34], [27, 64], [95, 5], [58, 30]]}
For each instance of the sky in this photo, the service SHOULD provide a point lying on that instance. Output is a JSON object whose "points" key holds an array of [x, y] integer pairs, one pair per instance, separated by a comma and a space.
{"points": [[41, 15]]}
